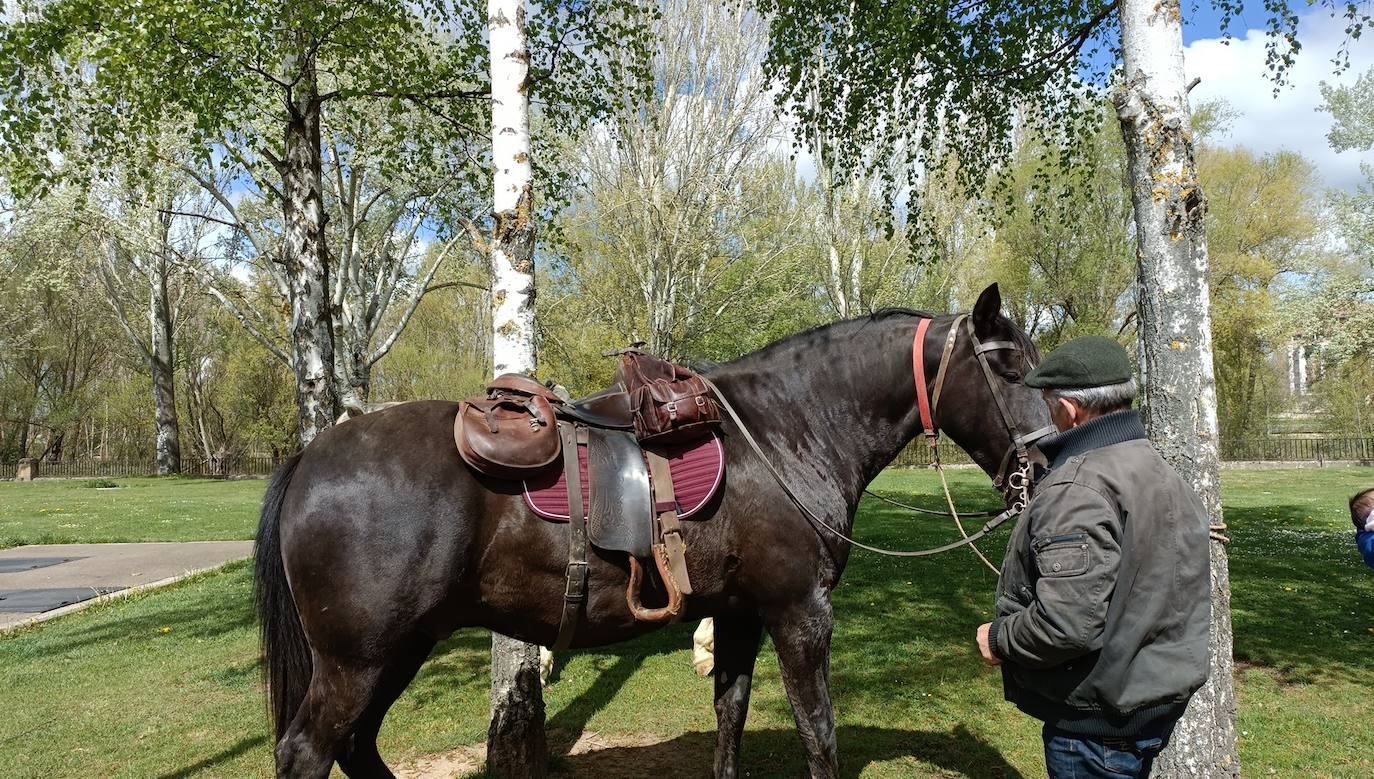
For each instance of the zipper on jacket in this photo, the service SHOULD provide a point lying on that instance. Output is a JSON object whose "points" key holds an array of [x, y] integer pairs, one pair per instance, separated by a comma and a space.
{"points": [[1041, 543]]}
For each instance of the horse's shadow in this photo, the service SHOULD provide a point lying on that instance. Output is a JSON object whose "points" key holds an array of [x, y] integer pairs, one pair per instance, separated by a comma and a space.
{"points": [[765, 753], [777, 753]]}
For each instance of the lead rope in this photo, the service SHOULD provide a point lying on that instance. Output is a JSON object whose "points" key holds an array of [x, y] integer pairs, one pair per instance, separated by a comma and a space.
{"points": [[919, 510], [818, 524], [959, 523], [928, 411]]}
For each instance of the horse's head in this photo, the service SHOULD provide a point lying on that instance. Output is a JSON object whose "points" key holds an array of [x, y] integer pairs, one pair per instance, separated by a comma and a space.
{"points": [[985, 407]]}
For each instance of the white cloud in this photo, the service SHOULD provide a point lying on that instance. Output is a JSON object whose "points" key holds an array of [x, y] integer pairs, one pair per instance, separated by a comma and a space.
{"points": [[1290, 121]]}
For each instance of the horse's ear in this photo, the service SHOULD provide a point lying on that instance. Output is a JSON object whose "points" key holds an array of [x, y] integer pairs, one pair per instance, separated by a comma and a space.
{"points": [[987, 308]]}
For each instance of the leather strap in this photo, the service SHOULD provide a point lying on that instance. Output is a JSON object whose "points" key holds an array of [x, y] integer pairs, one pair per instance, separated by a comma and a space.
{"points": [[980, 349], [993, 346], [918, 369], [944, 362], [575, 591], [669, 526]]}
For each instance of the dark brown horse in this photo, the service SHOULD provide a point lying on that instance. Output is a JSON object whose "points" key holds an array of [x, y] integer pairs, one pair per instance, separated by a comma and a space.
{"points": [[377, 540]]}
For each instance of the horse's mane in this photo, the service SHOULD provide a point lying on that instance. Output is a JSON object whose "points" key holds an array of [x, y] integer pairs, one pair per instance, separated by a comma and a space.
{"points": [[846, 327], [828, 331]]}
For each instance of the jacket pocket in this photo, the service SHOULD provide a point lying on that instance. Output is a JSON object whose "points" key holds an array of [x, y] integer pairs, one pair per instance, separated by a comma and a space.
{"points": [[1065, 555]]}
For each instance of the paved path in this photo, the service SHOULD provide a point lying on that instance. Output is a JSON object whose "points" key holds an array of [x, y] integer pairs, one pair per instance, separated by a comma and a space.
{"points": [[39, 582]]}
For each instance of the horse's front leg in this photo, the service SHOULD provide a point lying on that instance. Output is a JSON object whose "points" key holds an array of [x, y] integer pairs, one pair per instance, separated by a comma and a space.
{"points": [[736, 647], [801, 635]]}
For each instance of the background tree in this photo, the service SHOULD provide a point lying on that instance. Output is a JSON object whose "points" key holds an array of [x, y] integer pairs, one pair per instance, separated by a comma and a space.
{"points": [[146, 233], [1262, 227], [673, 178], [94, 80]]}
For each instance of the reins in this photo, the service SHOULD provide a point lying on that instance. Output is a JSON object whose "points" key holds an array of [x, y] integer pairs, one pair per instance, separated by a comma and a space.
{"points": [[819, 523], [1010, 481]]}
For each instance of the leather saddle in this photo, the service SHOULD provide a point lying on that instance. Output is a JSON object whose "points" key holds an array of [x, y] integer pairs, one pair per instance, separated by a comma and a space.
{"points": [[521, 427]]}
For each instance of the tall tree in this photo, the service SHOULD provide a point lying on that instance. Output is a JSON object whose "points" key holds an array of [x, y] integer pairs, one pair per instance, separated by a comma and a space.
{"points": [[1176, 337], [139, 252], [674, 178], [94, 80], [516, 745], [1262, 228]]}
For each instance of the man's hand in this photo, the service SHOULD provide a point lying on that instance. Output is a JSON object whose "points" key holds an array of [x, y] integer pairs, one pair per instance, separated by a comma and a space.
{"points": [[984, 648]]}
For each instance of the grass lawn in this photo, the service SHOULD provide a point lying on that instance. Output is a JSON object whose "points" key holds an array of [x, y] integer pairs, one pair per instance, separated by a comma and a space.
{"points": [[69, 511], [167, 684]]}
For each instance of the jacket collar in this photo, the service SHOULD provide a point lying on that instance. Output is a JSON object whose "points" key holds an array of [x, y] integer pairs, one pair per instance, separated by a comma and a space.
{"points": [[1108, 429]]}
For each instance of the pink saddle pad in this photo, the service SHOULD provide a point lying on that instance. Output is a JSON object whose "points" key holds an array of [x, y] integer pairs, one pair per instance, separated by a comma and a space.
{"points": [[698, 470]]}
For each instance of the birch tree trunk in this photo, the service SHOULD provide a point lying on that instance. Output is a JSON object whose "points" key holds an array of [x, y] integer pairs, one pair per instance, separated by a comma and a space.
{"points": [[162, 361], [515, 738], [1176, 338], [304, 254]]}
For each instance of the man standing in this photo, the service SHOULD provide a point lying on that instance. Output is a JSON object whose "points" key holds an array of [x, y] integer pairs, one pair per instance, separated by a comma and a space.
{"points": [[1102, 607]]}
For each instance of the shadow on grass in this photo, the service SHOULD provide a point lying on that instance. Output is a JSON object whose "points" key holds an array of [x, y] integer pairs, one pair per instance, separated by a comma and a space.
{"points": [[218, 611], [778, 753], [1299, 594], [244, 745]]}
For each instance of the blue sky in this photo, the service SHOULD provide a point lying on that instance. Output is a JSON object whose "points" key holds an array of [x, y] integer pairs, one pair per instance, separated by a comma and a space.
{"points": [[1291, 120]]}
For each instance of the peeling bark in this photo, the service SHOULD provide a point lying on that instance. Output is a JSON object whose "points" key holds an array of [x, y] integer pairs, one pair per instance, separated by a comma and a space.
{"points": [[1176, 339], [305, 258], [516, 745]]}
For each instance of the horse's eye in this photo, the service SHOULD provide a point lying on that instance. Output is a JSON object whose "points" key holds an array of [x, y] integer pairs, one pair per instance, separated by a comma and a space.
{"points": [[1012, 376]]}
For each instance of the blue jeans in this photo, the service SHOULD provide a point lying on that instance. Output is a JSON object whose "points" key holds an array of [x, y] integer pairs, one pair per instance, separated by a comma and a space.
{"points": [[1072, 756]]}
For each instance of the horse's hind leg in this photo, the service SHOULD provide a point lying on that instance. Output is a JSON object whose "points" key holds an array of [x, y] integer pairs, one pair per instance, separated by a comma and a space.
{"points": [[801, 635], [338, 696], [360, 759], [736, 648]]}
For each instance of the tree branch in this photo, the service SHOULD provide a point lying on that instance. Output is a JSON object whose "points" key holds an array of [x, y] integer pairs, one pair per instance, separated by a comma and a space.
{"points": [[421, 288]]}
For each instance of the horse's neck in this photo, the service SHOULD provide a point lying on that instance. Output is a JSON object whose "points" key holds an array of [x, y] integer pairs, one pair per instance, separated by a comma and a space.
{"points": [[841, 416]]}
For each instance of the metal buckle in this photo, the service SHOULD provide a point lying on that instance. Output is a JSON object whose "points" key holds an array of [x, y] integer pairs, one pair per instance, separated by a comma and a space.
{"points": [[576, 590]]}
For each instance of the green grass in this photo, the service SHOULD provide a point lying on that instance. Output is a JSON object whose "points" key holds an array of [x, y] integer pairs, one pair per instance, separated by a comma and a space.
{"points": [[63, 511], [107, 692]]}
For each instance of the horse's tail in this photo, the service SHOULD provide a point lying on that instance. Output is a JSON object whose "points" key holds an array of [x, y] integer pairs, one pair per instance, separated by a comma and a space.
{"points": [[285, 650]]}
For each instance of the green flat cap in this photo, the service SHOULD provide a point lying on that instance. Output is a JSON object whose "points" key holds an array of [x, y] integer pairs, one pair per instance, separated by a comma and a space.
{"points": [[1086, 361]]}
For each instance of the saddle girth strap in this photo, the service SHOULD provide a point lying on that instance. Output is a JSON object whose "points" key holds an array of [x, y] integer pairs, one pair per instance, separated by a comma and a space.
{"points": [[575, 591]]}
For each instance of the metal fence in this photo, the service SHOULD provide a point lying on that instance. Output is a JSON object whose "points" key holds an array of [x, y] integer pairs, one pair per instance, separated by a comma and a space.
{"points": [[916, 455], [243, 465], [1272, 449], [1298, 450]]}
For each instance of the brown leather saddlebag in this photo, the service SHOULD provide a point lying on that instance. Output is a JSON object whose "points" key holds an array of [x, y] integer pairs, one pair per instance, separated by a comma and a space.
{"points": [[507, 436], [670, 403]]}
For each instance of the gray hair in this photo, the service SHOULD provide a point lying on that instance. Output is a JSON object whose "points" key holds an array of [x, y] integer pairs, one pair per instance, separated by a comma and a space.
{"points": [[1108, 397]]}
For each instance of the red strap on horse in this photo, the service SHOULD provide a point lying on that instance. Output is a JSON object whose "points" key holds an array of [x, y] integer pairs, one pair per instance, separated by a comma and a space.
{"points": [[918, 367]]}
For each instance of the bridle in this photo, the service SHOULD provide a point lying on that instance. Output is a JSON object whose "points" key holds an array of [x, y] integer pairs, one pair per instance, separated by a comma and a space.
{"points": [[1013, 481], [1013, 475]]}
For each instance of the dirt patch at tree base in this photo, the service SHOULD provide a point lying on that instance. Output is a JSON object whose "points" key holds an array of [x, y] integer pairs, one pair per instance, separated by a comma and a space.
{"points": [[592, 755]]}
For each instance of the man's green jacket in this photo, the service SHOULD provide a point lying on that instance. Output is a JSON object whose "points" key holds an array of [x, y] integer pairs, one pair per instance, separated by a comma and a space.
{"points": [[1103, 605]]}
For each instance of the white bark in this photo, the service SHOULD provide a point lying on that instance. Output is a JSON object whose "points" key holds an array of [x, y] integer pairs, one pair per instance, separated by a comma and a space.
{"points": [[512, 247], [515, 738], [303, 253], [1176, 338]]}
